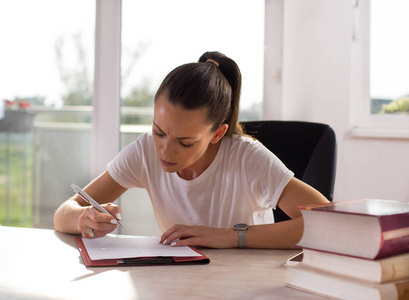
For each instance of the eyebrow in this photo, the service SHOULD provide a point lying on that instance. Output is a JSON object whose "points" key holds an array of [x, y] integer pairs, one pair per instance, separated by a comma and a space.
{"points": [[179, 138]]}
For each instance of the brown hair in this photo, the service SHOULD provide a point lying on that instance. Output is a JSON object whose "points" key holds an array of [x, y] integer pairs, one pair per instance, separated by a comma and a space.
{"points": [[214, 82]]}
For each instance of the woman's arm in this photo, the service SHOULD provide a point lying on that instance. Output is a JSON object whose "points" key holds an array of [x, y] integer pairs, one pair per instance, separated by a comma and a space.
{"points": [[77, 216], [283, 235]]}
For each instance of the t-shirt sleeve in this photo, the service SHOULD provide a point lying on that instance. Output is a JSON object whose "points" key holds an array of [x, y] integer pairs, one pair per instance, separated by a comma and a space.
{"points": [[127, 166], [267, 175]]}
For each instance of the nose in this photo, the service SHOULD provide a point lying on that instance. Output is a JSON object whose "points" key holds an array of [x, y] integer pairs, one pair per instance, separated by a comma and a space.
{"points": [[167, 148]]}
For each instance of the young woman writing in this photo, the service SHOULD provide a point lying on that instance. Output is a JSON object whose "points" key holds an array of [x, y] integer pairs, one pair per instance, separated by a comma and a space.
{"points": [[210, 185]]}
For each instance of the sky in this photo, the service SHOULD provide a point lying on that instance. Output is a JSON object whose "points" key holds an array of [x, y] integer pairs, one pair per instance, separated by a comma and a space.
{"points": [[28, 35], [389, 49]]}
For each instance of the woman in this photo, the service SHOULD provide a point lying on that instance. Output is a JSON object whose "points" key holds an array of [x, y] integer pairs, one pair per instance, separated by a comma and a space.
{"points": [[203, 175]]}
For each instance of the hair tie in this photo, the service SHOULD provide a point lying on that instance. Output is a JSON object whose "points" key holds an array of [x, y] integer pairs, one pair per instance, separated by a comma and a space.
{"points": [[213, 61]]}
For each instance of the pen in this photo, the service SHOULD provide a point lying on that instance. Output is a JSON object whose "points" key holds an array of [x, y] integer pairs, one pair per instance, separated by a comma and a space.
{"points": [[91, 201]]}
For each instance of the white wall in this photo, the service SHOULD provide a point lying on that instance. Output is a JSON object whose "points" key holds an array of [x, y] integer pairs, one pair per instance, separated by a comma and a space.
{"points": [[317, 87]]}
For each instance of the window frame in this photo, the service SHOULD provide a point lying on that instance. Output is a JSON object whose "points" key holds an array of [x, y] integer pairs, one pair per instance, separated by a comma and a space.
{"points": [[272, 101], [106, 99], [363, 123]]}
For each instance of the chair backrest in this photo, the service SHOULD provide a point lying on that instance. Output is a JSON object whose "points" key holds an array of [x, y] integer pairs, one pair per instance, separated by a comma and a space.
{"points": [[308, 149]]}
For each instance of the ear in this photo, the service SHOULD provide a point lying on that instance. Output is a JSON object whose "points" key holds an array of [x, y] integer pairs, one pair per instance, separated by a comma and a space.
{"points": [[219, 133]]}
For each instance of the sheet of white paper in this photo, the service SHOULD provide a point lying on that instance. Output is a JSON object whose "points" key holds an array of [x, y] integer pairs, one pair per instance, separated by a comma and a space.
{"points": [[130, 246]]}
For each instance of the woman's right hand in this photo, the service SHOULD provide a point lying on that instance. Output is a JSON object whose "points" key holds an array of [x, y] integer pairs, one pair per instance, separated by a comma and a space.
{"points": [[100, 223], [75, 216]]}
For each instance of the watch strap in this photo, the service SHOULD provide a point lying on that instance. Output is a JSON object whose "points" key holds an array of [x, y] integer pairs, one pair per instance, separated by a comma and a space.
{"points": [[242, 238]]}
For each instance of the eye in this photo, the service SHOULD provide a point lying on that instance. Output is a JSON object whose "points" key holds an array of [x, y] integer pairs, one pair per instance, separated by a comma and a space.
{"points": [[158, 134], [186, 145]]}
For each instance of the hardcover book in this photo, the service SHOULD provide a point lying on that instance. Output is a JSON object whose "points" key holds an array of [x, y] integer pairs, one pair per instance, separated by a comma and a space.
{"points": [[367, 228], [382, 270], [342, 287]]}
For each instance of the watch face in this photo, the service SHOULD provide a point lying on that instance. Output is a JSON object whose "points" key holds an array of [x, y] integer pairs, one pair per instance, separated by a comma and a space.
{"points": [[240, 226]]}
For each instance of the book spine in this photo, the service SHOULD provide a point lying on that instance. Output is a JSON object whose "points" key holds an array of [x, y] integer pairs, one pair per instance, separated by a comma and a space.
{"points": [[395, 235], [402, 289], [393, 222], [393, 246]]}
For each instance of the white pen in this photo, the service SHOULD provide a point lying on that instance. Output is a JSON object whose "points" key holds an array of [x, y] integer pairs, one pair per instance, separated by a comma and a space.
{"points": [[91, 201]]}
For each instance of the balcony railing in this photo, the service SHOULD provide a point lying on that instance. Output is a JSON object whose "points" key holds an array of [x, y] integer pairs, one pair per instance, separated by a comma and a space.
{"points": [[38, 165]]}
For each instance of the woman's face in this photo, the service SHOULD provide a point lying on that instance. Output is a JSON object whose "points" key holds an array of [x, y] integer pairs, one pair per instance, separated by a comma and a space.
{"points": [[182, 137]]}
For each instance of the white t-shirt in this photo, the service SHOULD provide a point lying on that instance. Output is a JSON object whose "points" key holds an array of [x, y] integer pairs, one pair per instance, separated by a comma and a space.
{"points": [[242, 184]]}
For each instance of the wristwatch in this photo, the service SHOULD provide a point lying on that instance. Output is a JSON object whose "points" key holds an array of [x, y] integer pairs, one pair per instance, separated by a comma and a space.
{"points": [[241, 229]]}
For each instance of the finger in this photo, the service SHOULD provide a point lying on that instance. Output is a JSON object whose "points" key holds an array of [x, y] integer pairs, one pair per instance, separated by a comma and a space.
{"points": [[97, 234], [178, 243], [92, 219], [89, 233], [167, 233], [175, 233], [180, 234], [101, 218], [114, 210], [193, 241], [84, 222]]}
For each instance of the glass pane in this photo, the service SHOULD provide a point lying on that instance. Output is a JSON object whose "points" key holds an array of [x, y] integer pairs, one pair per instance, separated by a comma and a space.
{"points": [[159, 35], [46, 80], [389, 61]]}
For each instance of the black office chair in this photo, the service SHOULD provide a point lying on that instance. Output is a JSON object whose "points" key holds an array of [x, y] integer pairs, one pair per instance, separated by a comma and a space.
{"points": [[307, 149]]}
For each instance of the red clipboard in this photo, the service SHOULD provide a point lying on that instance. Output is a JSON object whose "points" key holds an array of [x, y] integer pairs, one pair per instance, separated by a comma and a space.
{"points": [[140, 261]]}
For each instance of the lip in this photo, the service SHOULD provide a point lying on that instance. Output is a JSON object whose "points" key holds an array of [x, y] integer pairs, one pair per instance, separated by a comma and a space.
{"points": [[166, 163]]}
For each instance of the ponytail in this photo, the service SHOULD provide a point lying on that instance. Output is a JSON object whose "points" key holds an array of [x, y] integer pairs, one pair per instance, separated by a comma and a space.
{"points": [[231, 72]]}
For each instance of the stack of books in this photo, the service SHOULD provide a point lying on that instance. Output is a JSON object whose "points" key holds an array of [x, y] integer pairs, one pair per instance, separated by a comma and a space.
{"points": [[354, 250]]}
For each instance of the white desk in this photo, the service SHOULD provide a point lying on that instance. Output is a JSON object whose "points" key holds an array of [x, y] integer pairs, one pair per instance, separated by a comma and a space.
{"points": [[43, 264]]}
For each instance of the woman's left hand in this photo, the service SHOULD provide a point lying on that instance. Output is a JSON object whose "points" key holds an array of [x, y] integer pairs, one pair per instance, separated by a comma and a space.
{"points": [[211, 237]]}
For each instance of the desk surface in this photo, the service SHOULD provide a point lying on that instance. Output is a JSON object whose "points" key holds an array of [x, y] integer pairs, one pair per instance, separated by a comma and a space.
{"points": [[43, 264]]}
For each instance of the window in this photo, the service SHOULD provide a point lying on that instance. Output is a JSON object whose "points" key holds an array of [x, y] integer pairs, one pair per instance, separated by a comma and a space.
{"points": [[380, 89], [47, 60], [159, 35], [46, 78], [389, 61]]}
